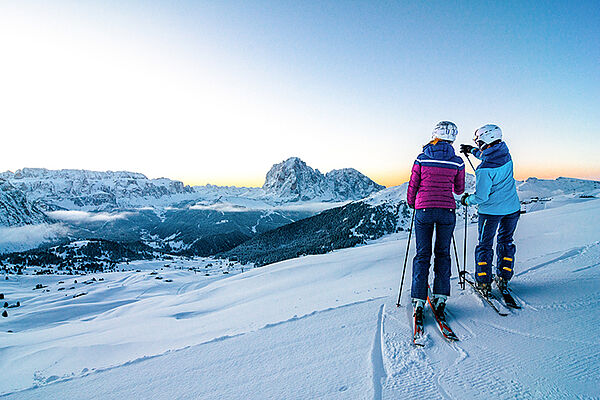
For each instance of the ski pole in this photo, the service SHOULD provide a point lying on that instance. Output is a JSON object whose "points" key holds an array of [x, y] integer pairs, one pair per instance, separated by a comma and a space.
{"points": [[460, 275], [469, 160], [465, 247], [412, 221]]}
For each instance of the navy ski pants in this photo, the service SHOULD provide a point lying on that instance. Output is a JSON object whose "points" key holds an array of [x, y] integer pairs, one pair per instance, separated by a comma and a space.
{"points": [[443, 220], [505, 246]]}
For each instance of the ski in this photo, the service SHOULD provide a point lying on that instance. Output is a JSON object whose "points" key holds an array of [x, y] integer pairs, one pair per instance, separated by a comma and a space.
{"points": [[491, 300], [443, 326], [419, 336], [509, 300]]}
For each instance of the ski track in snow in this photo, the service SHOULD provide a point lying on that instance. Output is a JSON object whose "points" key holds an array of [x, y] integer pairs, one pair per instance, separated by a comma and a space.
{"points": [[316, 328], [379, 373], [564, 256]]}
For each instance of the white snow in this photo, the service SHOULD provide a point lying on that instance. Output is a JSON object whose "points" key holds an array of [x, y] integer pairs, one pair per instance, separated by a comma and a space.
{"points": [[314, 327]]}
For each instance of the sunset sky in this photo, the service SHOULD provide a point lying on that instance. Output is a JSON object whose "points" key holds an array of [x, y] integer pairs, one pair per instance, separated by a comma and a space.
{"points": [[218, 91]]}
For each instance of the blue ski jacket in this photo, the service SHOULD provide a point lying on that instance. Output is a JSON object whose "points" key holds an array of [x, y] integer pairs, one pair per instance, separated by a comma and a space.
{"points": [[495, 188]]}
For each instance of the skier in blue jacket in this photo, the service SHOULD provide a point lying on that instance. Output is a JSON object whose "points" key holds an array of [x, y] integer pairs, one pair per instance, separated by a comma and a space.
{"points": [[499, 206]]}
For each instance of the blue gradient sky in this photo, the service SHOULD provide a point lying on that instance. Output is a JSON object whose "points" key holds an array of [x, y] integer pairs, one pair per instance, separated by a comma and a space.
{"points": [[219, 91]]}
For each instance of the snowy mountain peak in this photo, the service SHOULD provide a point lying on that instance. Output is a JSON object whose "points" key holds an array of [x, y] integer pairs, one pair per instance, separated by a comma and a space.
{"points": [[351, 184], [294, 180]]}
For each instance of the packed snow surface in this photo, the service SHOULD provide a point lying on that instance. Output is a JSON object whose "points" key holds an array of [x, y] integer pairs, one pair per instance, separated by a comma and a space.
{"points": [[323, 327]]}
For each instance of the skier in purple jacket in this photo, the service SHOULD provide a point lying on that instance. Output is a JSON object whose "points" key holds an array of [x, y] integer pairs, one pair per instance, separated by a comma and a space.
{"points": [[436, 173]]}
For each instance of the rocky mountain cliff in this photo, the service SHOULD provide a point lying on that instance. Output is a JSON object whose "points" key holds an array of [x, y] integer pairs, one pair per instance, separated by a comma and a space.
{"points": [[16, 210], [294, 180]]}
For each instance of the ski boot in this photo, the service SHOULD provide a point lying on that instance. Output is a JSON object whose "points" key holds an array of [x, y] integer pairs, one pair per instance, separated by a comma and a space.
{"points": [[419, 331], [501, 282], [509, 300], [484, 288], [418, 306], [439, 305]]}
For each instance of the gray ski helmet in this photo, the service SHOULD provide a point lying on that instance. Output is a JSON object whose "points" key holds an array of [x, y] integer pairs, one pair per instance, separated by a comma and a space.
{"points": [[487, 134], [445, 130]]}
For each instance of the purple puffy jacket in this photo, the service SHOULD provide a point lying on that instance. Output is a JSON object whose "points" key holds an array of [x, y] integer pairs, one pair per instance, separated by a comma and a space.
{"points": [[436, 173]]}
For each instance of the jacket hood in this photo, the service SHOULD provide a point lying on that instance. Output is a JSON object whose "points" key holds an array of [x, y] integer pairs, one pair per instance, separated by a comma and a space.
{"points": [[495, 156], [439, 151]]}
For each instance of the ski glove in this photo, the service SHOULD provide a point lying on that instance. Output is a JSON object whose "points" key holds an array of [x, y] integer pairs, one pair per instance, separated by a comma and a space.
{"points": [[467, 148], [463, 199]]}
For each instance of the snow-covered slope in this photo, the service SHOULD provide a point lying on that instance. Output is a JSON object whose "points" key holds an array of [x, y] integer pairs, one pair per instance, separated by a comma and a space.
{"points": [[321, 326], [538, 194]]}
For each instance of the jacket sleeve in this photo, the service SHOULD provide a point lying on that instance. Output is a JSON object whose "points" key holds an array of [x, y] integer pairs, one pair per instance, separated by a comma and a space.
{"points": [[459, 181], [483, 187], [413, 184], [477, 153]]}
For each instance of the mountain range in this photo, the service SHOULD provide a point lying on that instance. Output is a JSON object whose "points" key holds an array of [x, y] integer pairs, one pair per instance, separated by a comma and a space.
{"points": [[289, 181], [170, 216]]}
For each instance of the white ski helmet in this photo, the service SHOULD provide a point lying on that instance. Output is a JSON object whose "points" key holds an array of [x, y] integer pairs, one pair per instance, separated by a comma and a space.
{"points": [[488, 134], [445, 130]]}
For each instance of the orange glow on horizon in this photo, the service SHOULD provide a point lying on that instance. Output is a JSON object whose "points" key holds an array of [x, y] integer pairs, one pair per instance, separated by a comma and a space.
{"points": [[395, 178], [225, 182]]}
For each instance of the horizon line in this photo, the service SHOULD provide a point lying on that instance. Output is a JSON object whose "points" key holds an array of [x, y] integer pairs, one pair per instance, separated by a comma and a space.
{"points": [[384, 179]]}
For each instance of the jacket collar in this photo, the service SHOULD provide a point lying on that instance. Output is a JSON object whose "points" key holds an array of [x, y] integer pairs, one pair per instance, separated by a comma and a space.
{"points": [[495, 156], [439, 150]]}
